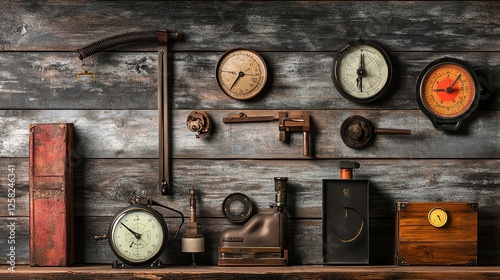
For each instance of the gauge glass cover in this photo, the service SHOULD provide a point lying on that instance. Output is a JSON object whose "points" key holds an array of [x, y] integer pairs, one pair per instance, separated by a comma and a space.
{"points": [[241, 73], [362, 71], [447, 90], [137, 235], [438, 217]]}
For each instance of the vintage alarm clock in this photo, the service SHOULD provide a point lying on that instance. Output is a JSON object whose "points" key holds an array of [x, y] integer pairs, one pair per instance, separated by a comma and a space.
{"points": [[362, 71], [448, 91], [241, 73], [138, 234]]}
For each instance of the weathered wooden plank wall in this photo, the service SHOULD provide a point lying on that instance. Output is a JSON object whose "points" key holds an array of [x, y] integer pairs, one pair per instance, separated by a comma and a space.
{"points": [[116, 126]]}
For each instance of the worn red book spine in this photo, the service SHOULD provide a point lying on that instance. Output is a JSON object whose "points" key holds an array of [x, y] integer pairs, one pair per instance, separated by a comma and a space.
{"points": [[51, 195]]}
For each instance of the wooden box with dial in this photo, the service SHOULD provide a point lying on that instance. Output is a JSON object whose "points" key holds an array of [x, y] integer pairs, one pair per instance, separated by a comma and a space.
{"points": [[436, 233]]}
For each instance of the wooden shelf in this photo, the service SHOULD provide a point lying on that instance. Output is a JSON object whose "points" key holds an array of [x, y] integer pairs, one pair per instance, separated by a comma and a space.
{"points": [[215, 272]]}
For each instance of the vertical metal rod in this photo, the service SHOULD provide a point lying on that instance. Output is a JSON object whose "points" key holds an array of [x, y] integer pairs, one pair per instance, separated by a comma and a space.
{"points": [[163, 121], [192, 205]]}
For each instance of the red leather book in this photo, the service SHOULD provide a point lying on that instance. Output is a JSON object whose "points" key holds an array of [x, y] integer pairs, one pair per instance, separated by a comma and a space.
{"points": [[51, 195]]}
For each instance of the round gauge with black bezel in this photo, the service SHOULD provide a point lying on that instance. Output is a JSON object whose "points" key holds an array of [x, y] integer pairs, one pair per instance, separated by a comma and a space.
{"points": [[362, 71]]}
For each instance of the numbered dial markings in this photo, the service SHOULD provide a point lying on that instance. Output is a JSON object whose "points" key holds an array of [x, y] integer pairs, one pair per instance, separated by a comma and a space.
{"points": [[241, 73], [362, 71], [137, 235], [437, 217], [448, 90]]}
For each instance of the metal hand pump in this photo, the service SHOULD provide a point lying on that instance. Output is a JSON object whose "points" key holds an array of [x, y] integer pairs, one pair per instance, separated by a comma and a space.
{"points": [[162, 37]]}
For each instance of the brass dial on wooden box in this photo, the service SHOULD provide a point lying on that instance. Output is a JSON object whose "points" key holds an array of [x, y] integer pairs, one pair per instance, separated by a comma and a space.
{"points": [[438, 217]]}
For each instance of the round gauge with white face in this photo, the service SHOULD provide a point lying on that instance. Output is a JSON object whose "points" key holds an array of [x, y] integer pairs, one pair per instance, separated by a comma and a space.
{"points": [[137, 235], [362, 71]]}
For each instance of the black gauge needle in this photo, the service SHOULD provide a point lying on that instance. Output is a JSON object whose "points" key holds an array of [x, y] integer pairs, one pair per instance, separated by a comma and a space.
{"points": [[241, 74], [361, 72], [439, 217], [131, 244], [137, 235], [449, 89]]}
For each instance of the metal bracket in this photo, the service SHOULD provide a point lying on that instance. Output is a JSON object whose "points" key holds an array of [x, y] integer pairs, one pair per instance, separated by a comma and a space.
{"points": [[401, 206], [200, 122]]}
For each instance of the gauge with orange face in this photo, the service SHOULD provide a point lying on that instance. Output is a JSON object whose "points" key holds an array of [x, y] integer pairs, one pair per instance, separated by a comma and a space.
{"points": [[448, 92]]}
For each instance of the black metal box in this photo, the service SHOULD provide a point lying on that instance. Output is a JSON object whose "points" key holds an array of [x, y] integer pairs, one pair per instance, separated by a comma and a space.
{"points": [[345, 222]]}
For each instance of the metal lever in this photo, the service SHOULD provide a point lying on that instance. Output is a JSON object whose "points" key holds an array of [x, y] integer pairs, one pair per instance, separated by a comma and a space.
{"points": [[242, 118], [287, 123], [162, 37], [358, 133]]}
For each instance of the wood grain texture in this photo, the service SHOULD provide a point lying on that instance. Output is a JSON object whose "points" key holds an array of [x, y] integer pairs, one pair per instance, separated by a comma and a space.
{"points": [[280, 25], [303, 240], [134, 134], [266, 273], [104, 185], [116, 121], [128, 80]]}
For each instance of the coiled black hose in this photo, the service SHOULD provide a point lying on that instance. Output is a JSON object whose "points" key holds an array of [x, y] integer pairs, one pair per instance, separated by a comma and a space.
{"points": [[129, 37]]}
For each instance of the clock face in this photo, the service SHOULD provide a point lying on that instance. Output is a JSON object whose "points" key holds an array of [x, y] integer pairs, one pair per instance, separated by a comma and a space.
{"points": [[448, 92], [362, 71], [241, 73], [438, 217], [137, 235]]}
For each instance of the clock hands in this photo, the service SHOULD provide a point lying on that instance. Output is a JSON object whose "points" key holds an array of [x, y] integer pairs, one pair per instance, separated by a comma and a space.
{"points": [[361, 72], [240, 74], [230, 72], [450, 88], [137, 235]]}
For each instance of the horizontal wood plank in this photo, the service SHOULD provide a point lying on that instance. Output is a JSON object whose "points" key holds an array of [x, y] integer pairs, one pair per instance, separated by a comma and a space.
{"points": [[48, 80], [279, 25], [263, 273], [304, 241], [104, 185]]}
